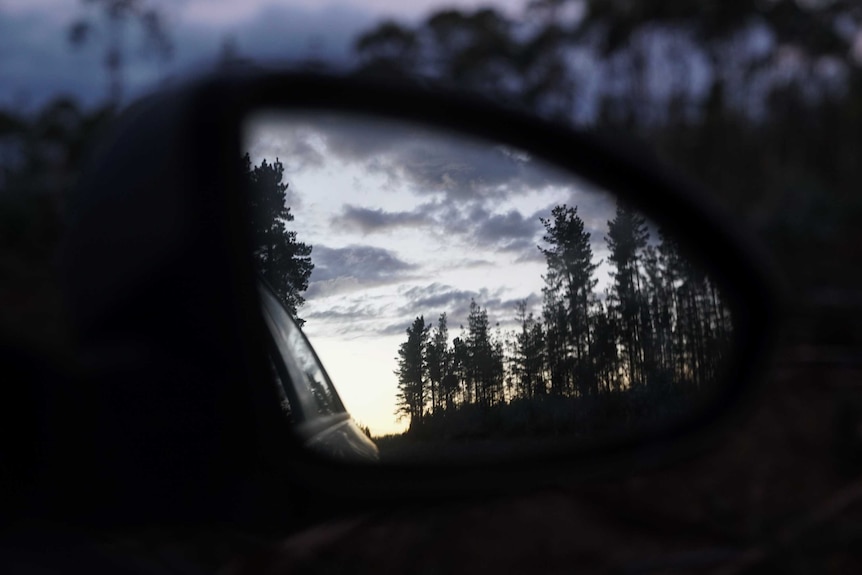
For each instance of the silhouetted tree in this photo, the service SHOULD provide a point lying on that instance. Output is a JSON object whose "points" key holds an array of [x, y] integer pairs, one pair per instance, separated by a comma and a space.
{"points": [[605, 352], [557, 351], [461, 369], [439, 365], [283, 262], [411, 372], [571, 276], [529, 354], [627, 238], [485, 361]]}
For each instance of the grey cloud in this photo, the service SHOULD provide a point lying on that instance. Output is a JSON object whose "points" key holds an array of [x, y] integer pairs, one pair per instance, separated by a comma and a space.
{"points": [[356, 261], [368, 221], [509, 232], [346, 325], [362, 140], [456, 305], [461, 170], [347, 284], [398, 328], [342, 313], [435, 298], [453, 219], [513, 232], [360, 317], [470, 264], [523, 249], [520, 234], [357, 313], [504, 311], [295, 154], [334, 286], [511, 225], [531, 253], [427, 162]]}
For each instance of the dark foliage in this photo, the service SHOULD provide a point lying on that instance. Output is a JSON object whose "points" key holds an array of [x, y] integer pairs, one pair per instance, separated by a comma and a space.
{"points": [[281, 260]]}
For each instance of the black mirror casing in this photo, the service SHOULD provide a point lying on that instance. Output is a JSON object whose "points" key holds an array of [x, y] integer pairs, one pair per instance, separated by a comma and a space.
{"points": [[160, 275]]}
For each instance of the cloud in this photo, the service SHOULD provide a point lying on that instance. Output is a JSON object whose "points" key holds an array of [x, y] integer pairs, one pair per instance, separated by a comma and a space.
{"points": [[508, 226], [436, 298], [464, 190], [511, 231], [367, 221], [459, 170], [295, 154], [363, 315], [447, 166], [507, 232], [398, 328], [452, 166], [362, 262], [472, 264], [530, 253], [344, 313], [335, 286], [358, 316]]}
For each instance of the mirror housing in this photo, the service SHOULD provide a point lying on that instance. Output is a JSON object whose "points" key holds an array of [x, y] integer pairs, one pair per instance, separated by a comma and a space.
{"points": [[175, 283]]}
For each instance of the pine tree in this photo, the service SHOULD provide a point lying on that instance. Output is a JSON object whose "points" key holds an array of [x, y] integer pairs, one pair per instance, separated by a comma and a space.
{"points": [[412, 373], [627, 238], [484, 355], [439, 363], [529, 354], [283, 262], [571, 277], [557, 351]]}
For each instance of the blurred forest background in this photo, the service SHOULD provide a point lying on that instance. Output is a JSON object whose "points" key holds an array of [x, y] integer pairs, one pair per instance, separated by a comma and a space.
{"points": [[758, 100]]}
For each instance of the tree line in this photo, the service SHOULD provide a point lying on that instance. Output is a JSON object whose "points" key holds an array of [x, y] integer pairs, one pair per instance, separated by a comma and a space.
{"points": [[658, 330], [282, 261]]}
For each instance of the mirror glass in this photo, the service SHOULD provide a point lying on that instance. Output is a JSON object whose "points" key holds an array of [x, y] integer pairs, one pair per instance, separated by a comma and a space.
{"points": [[467, 298]]}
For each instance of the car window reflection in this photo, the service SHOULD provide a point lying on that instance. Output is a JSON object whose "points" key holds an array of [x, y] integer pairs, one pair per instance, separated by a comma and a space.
{"points": [[284, 401], [309, 381]]}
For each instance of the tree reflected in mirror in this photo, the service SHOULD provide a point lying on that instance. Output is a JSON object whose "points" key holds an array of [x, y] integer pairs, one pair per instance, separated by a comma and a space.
{"points": [[460, 292]]}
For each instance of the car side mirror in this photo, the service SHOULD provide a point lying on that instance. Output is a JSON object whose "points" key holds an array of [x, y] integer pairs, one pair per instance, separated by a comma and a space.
{"points": [[488, 294]]}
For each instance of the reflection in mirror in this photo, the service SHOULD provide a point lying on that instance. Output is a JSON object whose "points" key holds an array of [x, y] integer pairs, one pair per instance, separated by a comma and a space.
{"points": [[461, 293]]}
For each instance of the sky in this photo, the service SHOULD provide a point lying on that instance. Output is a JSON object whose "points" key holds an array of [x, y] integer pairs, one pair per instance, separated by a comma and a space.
{"points": [[38, 63], [405, 221]]}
